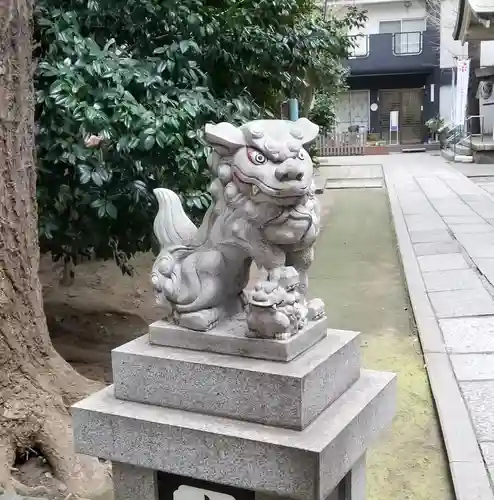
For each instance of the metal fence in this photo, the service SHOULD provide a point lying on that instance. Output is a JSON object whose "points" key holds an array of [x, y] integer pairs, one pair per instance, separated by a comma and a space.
{"points": [[341, 144]]}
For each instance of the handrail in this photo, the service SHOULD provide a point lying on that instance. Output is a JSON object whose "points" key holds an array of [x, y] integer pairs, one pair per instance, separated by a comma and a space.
{"points": [[481, 120], [461, 133]]}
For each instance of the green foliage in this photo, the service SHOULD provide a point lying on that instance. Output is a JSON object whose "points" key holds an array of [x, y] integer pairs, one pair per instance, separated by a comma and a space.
{"points": [[120, 116], [322, 112], [97, 200], [434, 124]]}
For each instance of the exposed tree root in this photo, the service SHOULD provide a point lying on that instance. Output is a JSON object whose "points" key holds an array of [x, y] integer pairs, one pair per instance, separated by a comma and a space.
{"points": [[35, 414]]}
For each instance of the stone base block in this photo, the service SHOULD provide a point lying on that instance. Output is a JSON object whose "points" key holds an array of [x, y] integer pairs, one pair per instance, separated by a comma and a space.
{"points": [[280, 394], [229, 337], [305, 465]]}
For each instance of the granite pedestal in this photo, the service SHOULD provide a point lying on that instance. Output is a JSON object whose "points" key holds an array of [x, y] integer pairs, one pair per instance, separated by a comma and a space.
{"points": [[298, 429]]}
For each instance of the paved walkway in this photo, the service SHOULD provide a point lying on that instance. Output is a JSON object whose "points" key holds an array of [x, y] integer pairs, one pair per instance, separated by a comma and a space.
{"points": [[445, 230]]}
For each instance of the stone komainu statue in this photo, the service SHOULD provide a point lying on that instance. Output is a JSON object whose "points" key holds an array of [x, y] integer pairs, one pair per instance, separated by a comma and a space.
{"points": [[264, 210]]}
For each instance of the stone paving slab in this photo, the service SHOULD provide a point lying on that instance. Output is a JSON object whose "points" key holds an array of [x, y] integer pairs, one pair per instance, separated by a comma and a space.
{"points": [[430, 236], [479, 396], [424, 223], [353, 183], [460, 303], [456, 279], [436, 248], [463, 219], [455, 208], [486, 267], [351, 171], [468, 335], [483, 208], [444, 262], [470, 367], [471, 228]]}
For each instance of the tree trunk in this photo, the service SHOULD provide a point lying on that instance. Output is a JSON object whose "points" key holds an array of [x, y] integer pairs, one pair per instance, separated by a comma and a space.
{"points": [[473, 105], [307, 101], [36, 384]]}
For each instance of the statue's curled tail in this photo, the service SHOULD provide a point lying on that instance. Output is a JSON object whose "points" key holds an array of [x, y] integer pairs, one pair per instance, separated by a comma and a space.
{"points": [[171, 225]]}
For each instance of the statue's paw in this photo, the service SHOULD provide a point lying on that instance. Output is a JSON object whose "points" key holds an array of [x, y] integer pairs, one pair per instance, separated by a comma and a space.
{"points": [[201, 321]]}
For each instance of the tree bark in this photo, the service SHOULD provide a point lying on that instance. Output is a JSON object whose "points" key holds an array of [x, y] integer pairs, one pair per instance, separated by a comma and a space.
{"points": [[36, 384]]}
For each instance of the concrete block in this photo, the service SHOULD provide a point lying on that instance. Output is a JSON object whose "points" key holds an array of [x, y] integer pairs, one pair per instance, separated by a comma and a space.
{"points": [[473, 366], [436, 248], [461, 279], [134, 483], [280, 394], [468, 335], [229, 338], [444, 262], [304, 465], [457, 303], [479, 398]]}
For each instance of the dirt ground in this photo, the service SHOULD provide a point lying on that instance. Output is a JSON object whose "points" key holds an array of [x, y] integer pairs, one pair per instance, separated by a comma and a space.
{"points": [[357, 274]]}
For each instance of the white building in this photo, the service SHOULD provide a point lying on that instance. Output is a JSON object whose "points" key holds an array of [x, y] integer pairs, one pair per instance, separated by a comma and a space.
{"points": [[395, 67], [405, 61]]}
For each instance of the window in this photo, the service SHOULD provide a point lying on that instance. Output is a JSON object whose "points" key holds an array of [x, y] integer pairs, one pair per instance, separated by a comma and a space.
{"points": [[407, 35]]}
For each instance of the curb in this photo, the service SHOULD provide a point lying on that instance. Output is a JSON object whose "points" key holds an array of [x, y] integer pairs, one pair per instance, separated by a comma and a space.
{"points": [[468, 472]]}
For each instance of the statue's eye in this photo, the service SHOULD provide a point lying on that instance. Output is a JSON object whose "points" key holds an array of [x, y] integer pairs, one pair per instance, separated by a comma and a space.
{"points": [[301, 155], [256, 157]]}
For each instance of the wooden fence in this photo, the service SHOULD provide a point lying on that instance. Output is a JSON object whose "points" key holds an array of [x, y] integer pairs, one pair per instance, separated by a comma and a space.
{"points": [[341, 144]]}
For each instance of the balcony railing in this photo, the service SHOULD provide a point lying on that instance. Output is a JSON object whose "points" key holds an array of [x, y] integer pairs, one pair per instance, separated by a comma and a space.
{"points": [[389, 52], [404, 44]]}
